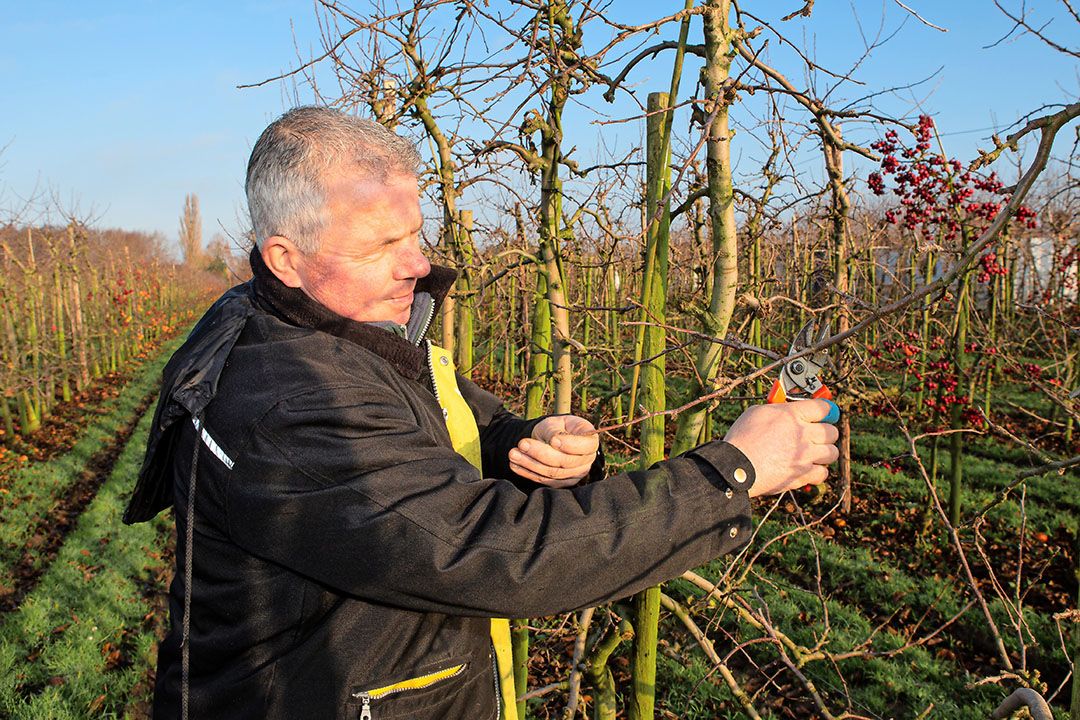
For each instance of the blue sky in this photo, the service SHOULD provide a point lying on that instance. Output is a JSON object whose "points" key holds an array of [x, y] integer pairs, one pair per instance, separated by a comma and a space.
{"points": [[121, 108]]}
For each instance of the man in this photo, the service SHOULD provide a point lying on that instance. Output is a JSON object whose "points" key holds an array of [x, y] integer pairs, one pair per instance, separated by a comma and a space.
{"points": [[340, 552]]}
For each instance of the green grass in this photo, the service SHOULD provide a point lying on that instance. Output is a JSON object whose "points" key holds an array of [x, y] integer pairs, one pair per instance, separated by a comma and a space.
{"points": [[56, 650], [35, 490]]}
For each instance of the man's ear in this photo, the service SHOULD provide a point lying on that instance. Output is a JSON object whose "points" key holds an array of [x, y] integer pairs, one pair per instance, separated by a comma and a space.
{"points": [[283, 258]]}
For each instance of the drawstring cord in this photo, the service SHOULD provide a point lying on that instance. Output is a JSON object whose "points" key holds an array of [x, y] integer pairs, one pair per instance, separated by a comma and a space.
{"points": [[189, 538]]}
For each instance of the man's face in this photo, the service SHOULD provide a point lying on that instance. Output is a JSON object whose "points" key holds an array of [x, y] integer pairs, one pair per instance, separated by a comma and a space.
{"points": [[370, 258]]}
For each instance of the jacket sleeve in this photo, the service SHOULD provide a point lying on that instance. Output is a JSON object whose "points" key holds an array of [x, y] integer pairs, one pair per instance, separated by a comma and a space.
{"points": [[359, 496]]}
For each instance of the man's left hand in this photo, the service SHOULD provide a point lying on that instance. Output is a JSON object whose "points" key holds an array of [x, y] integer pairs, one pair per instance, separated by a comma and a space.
{"points": [[560, 452]]}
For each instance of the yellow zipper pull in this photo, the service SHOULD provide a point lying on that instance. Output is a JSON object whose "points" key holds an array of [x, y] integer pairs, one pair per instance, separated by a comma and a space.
{"points": [[365, 706]]}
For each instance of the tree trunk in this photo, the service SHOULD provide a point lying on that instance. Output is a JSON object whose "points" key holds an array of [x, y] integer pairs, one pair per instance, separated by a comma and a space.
{"points": [[718, 37], [834, 166]]}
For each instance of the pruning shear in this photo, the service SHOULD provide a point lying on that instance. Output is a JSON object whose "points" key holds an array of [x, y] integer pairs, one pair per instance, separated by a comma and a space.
{"points": [[800, 377]]}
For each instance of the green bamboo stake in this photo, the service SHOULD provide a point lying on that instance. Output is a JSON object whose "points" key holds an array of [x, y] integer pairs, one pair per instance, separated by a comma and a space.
{"points": [[1074, 705], [1070, 381], [956, 448], [519, 648], [996, 289], [466, 305], [538, 379], [586, 338], [653, 348], [36, 408], [928, 276], [612, 339], [872, 289], [508, 364], [60, 333], [653, 388], [78, 326], [491, 369]]}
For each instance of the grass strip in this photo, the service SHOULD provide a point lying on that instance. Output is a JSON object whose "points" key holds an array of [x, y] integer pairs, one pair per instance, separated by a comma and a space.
{"points": [[82, 642], [32, 504]]}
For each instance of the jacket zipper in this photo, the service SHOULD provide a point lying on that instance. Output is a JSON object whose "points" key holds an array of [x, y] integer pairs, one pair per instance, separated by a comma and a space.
{"points": [[498, 685], [427, 324], [417, 683], [434, 384]]}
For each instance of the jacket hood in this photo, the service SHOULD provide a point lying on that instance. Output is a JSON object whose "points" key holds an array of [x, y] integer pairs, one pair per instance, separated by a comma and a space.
{"points": [[188, 384]]}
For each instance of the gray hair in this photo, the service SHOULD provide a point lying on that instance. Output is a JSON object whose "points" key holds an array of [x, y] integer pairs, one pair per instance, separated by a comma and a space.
{"points": [[285, 175]]}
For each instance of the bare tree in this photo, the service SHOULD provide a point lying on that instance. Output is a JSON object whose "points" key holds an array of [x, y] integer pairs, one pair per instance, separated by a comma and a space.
{"points": [[191, 244]]}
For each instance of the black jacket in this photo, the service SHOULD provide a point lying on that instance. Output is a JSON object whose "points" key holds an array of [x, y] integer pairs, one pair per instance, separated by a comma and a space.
{"points": [[340, 543]]}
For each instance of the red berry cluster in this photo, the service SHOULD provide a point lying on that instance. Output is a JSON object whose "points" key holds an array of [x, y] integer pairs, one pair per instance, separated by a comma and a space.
{"points": [[878, 409], [905, 350], [120, 295], [908, 349], [935, 191], [990, 267], [938, 377], [974, 347], [1030, 372], [941, 375], [974, 417], [1027, 217]]}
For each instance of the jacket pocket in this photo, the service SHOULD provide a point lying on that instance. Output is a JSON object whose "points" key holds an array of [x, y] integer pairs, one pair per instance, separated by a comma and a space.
{"points": [[369, 697]]}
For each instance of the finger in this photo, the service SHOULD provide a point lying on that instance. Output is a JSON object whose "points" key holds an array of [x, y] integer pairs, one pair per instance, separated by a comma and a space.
{"points": [[548, 428], [548, 455], [815, 476], [825, 433], [824, 454], [815, 410], [577, 469], [555, 483], [576, 444], [578, 425]]}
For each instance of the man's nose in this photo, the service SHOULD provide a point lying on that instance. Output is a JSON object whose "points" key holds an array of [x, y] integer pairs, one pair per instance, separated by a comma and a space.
{"points": [[413, 264]]}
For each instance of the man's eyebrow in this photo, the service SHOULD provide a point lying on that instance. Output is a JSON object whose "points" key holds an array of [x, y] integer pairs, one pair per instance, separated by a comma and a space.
{"points": [[395, 237]]}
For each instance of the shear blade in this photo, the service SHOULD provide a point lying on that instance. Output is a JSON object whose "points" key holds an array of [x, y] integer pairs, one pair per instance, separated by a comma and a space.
{"points": [[806, 337], [800, 376]]}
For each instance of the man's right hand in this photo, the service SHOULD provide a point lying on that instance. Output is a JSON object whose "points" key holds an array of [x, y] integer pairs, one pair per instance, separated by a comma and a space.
{"points": [[786, 443]]}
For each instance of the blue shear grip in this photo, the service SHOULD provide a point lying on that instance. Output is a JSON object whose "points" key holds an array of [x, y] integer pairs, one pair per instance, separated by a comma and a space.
{"points": [[834, 413]]}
